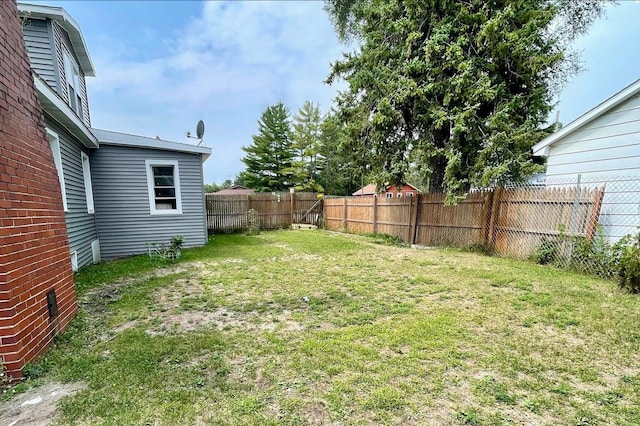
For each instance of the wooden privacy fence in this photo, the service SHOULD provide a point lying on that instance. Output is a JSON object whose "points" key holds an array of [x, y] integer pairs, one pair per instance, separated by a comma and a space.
{"points": [[228, 213], [511, 222]]}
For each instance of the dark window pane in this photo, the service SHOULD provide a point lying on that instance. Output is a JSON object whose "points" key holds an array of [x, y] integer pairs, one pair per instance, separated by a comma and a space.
{"points": [[163, 180], [165, 192], [163, 171]]}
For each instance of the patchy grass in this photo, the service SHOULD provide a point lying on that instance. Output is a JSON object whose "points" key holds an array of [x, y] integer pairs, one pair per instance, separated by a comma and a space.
{"points": [[308, 327]]}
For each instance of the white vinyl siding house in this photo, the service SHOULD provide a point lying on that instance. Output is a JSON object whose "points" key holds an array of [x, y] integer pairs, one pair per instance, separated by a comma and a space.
{"points": [[602, 147]]}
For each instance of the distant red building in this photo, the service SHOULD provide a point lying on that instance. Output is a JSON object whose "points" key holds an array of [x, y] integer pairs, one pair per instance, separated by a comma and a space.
{"points": [[391, 191]]}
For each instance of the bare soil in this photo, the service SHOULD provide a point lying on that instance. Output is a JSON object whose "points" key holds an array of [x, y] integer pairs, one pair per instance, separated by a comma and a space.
{"points": [[37, 406]]}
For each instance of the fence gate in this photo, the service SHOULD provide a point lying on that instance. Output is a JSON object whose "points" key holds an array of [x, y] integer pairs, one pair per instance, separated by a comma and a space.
{"points": [[228, 213]]}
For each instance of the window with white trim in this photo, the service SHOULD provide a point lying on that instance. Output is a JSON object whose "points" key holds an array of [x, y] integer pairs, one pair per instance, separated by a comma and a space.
{"points": [[399, 195], [409, 194], [72, 76], [163, 179], [389, 194], [54, 143], [88, 189]]}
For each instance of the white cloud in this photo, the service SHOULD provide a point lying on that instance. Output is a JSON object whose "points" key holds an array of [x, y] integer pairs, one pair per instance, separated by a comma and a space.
{"points": [[225, 66]]}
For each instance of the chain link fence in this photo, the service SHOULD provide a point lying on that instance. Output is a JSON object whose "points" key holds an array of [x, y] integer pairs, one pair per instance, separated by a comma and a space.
{"points": [[581, 223]]}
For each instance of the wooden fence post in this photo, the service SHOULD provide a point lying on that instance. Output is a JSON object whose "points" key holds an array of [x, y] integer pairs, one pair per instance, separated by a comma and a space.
{"points": [[375, 214], [344, 214], [416, 215], [493, 218], [486, 217], [292, 195], [413, 231], [595, 214]]}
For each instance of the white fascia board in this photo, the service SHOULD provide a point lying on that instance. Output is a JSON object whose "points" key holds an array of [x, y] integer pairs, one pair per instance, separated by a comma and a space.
{"points": [[58, 109], [69, 24], [541, 148], [123, 139]]}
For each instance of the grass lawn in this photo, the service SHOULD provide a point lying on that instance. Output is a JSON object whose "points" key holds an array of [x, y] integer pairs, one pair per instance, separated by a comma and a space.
{"points": [[307, 327]]}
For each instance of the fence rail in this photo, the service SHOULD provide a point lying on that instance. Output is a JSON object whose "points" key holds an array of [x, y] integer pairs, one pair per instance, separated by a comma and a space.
{"points": [[227, 213], [567, 222], [511, 222]]}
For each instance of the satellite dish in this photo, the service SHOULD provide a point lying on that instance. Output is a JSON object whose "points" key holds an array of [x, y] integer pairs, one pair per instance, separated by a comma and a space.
{"points": [[200, 129]]}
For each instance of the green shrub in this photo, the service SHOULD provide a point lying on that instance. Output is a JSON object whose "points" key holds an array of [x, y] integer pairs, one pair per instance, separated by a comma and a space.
{"points": [[629, 264], [595, 256], [547, 252]]}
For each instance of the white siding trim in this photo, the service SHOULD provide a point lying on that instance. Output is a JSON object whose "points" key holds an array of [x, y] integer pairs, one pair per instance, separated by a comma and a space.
{"points": [[150, 186], [54, 142], [88, 189], [60, 111], [631, 90], [74, 261], [95, 251]]}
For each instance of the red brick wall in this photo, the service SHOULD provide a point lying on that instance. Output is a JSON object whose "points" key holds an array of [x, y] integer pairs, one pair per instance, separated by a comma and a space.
{"points": [[34, 249]]}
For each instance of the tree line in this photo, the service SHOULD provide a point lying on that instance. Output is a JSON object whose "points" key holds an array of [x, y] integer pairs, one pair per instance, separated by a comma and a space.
{"points": [[304, 151]]}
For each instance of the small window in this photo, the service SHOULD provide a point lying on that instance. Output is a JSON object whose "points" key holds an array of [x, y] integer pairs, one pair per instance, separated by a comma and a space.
{"points": [[72, 76], [88, 189], [399, 195], [163, 179], [389, 194], [54, 142], [409, 194]]}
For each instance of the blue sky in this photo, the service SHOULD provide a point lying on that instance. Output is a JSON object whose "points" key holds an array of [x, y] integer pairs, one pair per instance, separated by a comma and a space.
{"points": [[162, 66]]}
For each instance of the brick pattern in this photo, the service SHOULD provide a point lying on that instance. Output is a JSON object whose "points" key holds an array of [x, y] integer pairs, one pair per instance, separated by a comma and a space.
{"points": [[34, 248]]}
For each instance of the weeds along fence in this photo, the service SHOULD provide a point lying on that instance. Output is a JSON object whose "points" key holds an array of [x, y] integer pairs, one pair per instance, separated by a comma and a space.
{"points": [[576, 221], [228, 213]]}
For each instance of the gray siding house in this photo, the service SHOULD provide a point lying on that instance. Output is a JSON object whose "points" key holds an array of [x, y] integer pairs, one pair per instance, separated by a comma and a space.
{"points": [[110, 182], [147, 190]]}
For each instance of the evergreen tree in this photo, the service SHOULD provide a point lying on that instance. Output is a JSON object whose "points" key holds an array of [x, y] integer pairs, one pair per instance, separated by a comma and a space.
{"points": [[269, 158], [306, 142], [460, 89], [341, 173]]}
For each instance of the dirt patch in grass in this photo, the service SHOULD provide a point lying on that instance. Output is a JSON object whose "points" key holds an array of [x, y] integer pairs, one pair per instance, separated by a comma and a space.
{"points": [[222, 319], [37, 406]]}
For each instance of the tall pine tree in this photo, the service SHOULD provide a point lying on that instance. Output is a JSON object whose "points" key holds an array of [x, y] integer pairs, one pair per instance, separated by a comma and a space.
{"points": [[461, 89], [340, 173], [306, 142], [269, 158]]}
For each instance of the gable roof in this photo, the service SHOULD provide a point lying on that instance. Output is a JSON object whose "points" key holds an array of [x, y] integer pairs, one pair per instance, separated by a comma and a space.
{"points": [[366, 190], [542, 147], [235, 190], [108, 137], [69, 24]]}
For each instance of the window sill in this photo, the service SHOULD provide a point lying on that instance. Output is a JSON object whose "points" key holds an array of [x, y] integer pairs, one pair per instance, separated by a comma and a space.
{"points": [[166, 213]]}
